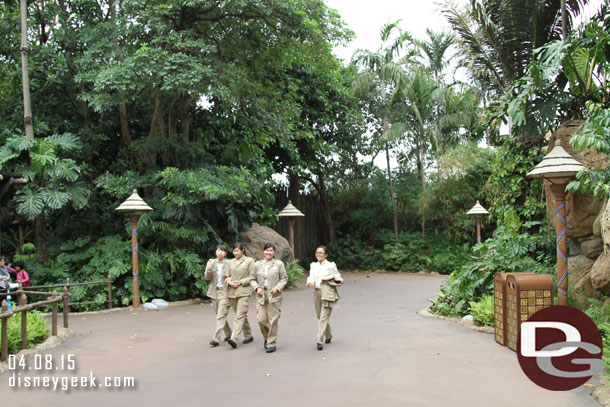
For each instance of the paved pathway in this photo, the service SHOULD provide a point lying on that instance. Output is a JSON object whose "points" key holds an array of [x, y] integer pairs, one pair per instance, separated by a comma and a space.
{"points": [[383, 354]]}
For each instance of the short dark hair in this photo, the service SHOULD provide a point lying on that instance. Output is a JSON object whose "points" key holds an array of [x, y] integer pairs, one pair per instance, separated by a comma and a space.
{"points": [[269, 246], [222, 247], [323, 247], [20, 265], [239, 246]]}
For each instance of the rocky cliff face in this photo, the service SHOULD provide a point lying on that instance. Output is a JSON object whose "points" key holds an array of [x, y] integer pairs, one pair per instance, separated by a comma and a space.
{"points": [[587, 219]]}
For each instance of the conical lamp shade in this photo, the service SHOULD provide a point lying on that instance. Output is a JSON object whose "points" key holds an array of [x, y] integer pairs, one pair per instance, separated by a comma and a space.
{"points": [[556, 164], [134, 204], [290, 210], [477, 210]]}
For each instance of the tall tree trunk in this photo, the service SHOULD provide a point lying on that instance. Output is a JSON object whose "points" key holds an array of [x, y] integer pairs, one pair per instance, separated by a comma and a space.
{"points": [[392, 198], [124, 119], [27, 104], [40, 238], [564, 20], [423, 180], [185, 118], [326, 209], [387, 156], [84, 110]]}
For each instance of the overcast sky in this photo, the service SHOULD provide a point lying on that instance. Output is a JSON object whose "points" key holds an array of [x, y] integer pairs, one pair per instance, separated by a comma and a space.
{"points": [[365, 18]]}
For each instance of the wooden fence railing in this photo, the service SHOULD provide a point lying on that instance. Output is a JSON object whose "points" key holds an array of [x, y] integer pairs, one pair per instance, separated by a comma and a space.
{"points": [[23, 308], [68, 284]]}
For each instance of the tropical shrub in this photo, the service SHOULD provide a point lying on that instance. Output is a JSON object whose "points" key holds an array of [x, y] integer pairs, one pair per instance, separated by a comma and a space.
{"points": [[296, 273], [512, 251], [483, 310], [37, 331]]}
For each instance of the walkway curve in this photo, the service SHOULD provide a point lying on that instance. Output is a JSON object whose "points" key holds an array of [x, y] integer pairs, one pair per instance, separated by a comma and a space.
{"points": [[383, 354]]}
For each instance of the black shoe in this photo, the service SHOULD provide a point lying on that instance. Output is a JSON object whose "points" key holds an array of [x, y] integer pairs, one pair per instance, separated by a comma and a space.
{"points": [[327, 340], [214, 344], [271, 349], [248, 340], [265, 344], [227, 338], [320, 347], [232, 343]]}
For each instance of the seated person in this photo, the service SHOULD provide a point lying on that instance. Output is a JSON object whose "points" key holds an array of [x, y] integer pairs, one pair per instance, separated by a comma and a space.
{"points": [[4, 276]]}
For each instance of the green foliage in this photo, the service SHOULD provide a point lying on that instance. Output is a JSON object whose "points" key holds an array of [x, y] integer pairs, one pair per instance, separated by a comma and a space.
{"points": [[512, 251], [452, 191], [594, 134], [26, 253], [599, 311], [483, 310], [36, 327], [508, 188], [296, 273], [409, 253], [53, 178]]}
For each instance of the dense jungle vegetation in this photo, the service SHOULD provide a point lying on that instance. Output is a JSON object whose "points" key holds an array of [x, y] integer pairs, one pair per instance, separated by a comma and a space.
{"points": [[199, 103]]}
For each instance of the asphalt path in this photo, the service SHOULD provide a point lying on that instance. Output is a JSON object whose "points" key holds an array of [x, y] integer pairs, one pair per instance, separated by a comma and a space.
{"points": [[382, 354]]}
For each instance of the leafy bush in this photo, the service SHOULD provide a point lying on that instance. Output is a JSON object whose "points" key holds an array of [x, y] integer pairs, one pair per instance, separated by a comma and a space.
{"points": [[449, 259], [37, 331], [173, 274], [599, 312], [483, 310], [295, 272], [511, 252]]}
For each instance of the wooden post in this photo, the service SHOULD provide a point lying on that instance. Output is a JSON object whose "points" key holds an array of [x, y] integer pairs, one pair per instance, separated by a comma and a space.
{"points": [[109, 292], [559, 192], [4, 337], [66, 306], [54, 316], [134, 259], [22, 299], [24, 329], [291, 237]]}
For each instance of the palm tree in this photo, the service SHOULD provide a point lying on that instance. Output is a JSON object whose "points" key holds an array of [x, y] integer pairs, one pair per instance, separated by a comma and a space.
{"points": [[382, 71], [497, 38], [435, 49], [432, 115]]}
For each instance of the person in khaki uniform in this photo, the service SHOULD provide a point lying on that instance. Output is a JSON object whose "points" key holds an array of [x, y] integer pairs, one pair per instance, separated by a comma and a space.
{"points": [[217, 290], [237, 275], [270, 278], [325, 278]]}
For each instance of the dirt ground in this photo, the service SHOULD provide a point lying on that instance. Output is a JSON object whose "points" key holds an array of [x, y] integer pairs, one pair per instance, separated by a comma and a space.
{"points": [[383, 353]]}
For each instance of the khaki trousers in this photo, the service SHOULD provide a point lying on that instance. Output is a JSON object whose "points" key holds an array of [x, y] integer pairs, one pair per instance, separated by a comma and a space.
{"points": [[268, 316], [323, 311], [222, 312], [226, 328], [240, 305]]}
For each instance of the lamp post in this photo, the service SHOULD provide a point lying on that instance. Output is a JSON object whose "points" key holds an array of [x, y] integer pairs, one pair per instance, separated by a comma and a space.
{"points": [[558, 167], [477, 210], [134, 206], [290, 211]]}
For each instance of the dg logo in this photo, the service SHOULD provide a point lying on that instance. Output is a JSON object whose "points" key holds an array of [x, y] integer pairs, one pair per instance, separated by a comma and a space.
{"points": [[560, 348]]}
